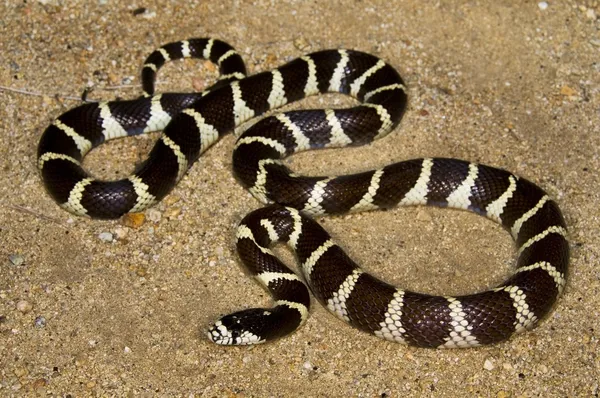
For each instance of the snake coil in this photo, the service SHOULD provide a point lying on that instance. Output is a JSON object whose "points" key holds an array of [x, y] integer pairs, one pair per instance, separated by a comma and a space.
{"points": [[192, 122]]}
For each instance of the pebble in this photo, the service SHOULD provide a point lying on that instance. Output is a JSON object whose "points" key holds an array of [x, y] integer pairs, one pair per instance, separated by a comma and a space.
{"points": [[488, 365], [16, 259], [120, 233], [40, 322], [154, 215], [21, 372], [106, 237], [301, 44], [542, 5], [127, 350], [39, 383], [133, 220], [567, 91], [172, 212], [172, 199], [141, 271], [590, 14], [24, 306], [307, 365]]}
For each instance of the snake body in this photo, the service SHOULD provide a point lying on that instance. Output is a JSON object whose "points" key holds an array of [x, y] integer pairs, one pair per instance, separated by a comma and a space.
{"points": [[192, 122]]}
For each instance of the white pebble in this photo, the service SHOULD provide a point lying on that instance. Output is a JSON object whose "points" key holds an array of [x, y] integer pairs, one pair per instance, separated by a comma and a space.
{"points": [[121, 233], [127, 350], [307, 365], [542, 5], [590, 14], [154, 215], [488, 365], [24, 306], [106, 237], [16, 259]]}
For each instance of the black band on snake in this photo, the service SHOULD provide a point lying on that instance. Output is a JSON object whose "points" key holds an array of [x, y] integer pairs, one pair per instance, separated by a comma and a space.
{"points": [[193, 122]]}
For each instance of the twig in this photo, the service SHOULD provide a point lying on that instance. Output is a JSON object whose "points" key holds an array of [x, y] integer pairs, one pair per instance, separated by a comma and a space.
{"points": [[38, 94], [69, 97], [118, 87], [35, 213]]}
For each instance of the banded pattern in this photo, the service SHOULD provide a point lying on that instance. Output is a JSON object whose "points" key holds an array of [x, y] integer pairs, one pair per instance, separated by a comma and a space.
{"points": [[191, 123], [371, 305], [73, 134]]}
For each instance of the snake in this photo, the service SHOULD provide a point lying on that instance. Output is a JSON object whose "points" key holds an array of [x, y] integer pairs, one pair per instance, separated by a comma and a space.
{"points": [[192, 122]]}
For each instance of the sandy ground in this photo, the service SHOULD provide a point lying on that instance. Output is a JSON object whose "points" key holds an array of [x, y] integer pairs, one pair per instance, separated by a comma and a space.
{"points": [[512, 87]]}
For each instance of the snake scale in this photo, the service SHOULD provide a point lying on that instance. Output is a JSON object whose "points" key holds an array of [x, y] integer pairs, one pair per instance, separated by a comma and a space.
{"points": [[192, 122]]}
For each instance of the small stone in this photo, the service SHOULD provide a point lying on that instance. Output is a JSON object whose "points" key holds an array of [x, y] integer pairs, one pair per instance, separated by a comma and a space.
{"points": [[39, 383], [301, 44], [24, 306], [81, 360], [106, 237], [127, 350], [40, 322], [488, 365], [120, 233], [141, 271], [542, 5], [590, 14], [307, 365], [172, 212], [16, 259], [154, 215], [171, 200], [133, 220], [507, 366], [113, 78], [149, 15], [21, 372], [270, 60], [567, 91]]}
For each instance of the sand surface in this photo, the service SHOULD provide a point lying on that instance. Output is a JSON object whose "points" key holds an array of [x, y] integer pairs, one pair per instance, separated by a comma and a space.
{"points": [[513, 87]]}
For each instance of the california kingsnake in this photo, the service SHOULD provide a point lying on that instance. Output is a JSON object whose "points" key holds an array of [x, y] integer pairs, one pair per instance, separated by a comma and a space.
{"points": [[193, 122]]}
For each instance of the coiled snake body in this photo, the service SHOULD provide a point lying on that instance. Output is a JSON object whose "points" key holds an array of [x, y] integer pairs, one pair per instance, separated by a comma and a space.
{"points": [[191, 123]]}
